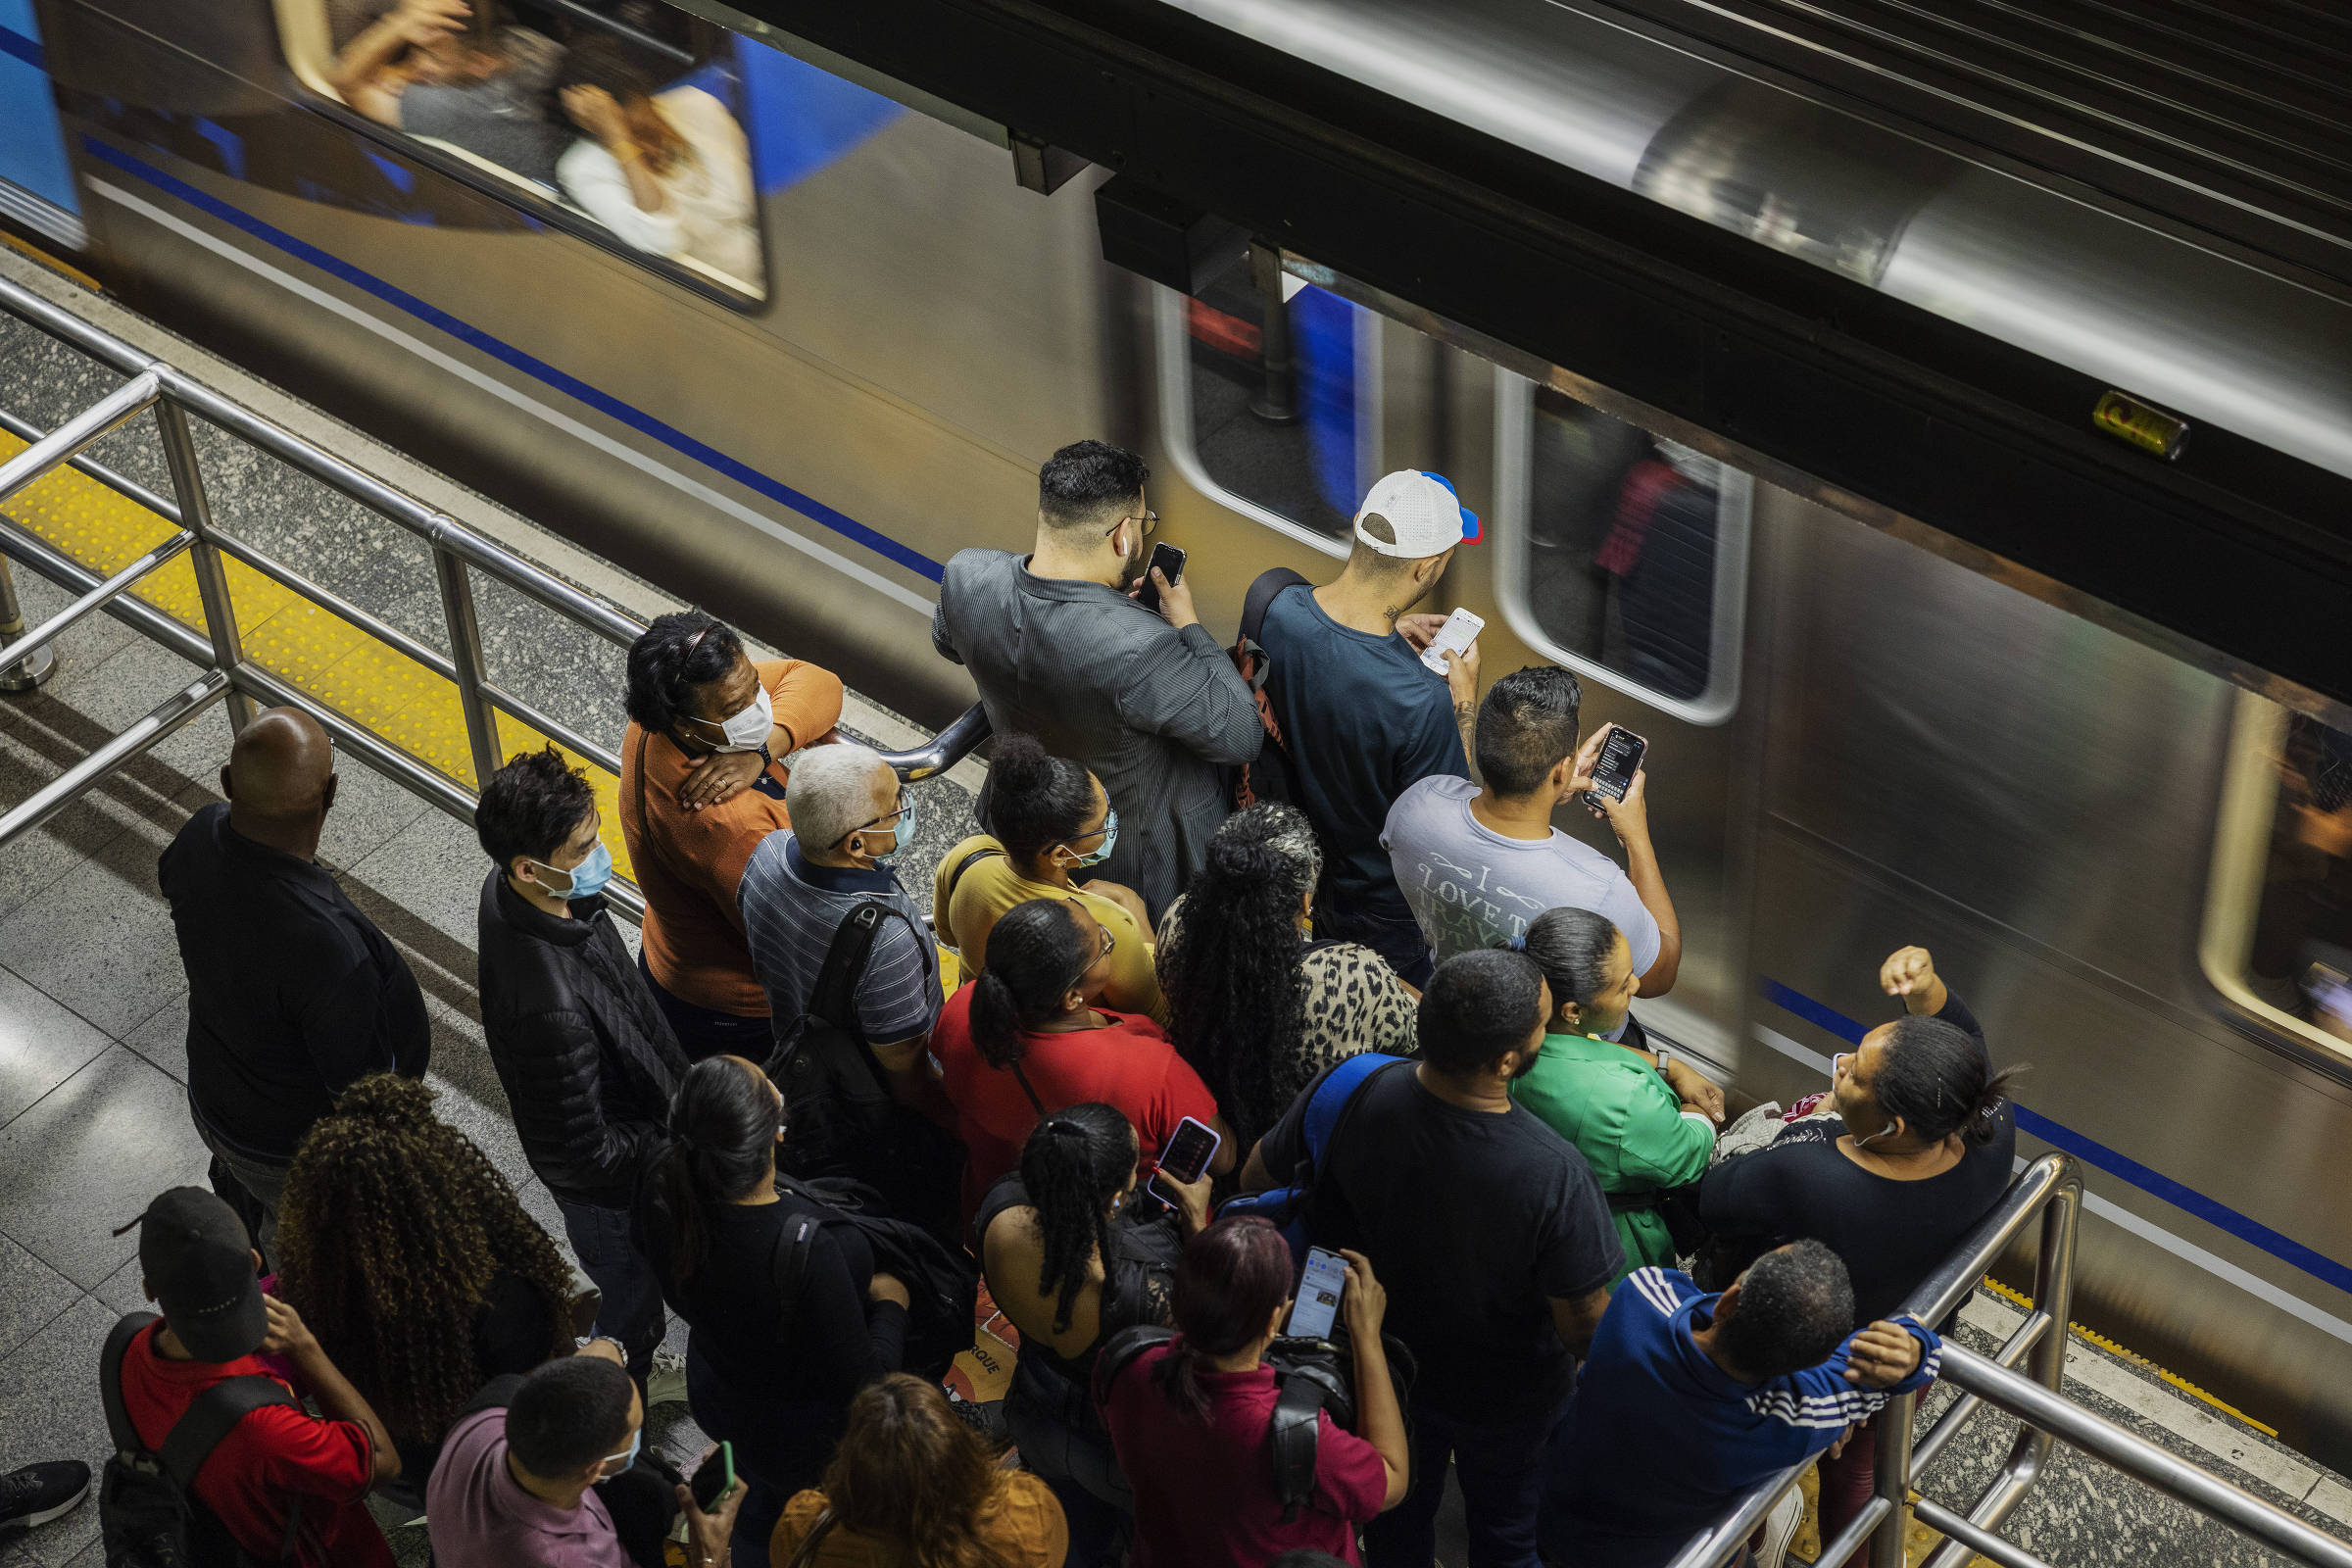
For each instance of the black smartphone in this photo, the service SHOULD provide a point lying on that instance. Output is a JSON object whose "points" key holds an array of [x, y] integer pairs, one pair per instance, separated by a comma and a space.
{"points": [[1620, 760], [1190, 1149], [714, 1480], [1168, 561]]}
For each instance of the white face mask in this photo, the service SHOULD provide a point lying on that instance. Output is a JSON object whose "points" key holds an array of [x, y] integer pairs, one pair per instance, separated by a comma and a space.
{"points": [[748, 730]]}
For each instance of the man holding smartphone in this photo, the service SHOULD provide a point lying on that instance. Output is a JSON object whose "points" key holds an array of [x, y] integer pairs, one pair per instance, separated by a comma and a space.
{"points": [[1360, 716], [1061, 650]]}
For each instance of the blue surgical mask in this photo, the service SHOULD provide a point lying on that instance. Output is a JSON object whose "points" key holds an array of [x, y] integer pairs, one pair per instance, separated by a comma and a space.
{"points": [[588, 879], [904, 836], [1111, 841], [636, 1441]]}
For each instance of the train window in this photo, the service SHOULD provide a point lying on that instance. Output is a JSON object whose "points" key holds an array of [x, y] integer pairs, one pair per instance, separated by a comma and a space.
{"points": [[623, 120], [1623, 554], [2277, 936], [1280, 425]]}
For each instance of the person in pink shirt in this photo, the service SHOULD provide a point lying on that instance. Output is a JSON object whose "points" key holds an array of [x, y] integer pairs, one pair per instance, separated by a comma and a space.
{"points": [[514, 1484], [1190, 1419]]}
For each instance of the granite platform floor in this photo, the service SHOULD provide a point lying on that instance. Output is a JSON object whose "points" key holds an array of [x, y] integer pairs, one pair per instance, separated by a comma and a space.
{"points": [[93, 1118]]}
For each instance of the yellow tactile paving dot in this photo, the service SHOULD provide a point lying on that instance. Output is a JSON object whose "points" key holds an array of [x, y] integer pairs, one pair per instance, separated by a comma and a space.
{"points": [[368, 681]]}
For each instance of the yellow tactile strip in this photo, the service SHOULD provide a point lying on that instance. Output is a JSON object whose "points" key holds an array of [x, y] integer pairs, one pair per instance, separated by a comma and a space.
{"points": [[410, 708]]}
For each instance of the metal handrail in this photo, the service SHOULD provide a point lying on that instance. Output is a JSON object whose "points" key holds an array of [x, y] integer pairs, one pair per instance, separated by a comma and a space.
{"points": [[457, 552], [2049, 1190]]}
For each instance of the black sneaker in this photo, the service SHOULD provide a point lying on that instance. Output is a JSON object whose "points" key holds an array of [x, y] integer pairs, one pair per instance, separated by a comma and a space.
{"points": [[41, 1493]]}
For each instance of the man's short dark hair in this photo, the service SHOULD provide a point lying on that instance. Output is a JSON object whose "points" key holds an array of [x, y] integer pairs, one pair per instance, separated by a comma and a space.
{"points": [[1478, 1004], [569, 1414], [1796, 1306], [1526, 726], [1081, 484], [531, 806]]}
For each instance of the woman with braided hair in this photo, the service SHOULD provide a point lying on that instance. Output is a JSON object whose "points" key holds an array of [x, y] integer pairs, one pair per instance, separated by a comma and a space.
{"points": [[412, 1260], [1071, 1259], [1257, 1007], [1027, 1037]]}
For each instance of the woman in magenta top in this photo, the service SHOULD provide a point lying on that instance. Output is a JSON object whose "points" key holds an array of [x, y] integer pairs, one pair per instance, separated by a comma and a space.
{"points": [[1189, 1419], [1025, 1038]]}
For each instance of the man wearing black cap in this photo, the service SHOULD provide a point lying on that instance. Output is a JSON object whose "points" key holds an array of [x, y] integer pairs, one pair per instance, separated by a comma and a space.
{"points": [[199, 1266]]}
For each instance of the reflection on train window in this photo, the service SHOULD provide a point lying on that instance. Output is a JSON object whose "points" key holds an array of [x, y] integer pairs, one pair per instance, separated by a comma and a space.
{"points": [[1271, 392], [2300, 961], [625, 112], [1631, 550]]}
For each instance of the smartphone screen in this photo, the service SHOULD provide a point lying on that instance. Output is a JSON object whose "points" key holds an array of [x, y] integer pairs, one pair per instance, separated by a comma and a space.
{"points": [[1316, 1312], [1620, 759], [1189, 1150], [1168, 561], [1460, 630], [715, 1478]]}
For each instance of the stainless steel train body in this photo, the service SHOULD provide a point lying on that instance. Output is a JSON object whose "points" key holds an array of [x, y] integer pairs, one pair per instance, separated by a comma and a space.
{"points": [[1890, 740]]}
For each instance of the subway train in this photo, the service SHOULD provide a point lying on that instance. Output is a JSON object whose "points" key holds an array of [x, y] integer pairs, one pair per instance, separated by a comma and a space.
{"points": [[2132, 854]]}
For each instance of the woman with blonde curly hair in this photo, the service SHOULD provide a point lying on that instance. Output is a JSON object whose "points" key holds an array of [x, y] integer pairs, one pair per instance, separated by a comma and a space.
{"points": [[912, 1487], [412, 1260]]}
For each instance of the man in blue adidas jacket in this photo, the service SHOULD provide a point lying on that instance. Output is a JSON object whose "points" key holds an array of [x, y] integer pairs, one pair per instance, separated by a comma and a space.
{"points": [[1689, 1399]]}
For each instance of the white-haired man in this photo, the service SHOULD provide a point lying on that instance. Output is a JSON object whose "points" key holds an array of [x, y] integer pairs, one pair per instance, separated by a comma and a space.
{"points": [[828, 881]]}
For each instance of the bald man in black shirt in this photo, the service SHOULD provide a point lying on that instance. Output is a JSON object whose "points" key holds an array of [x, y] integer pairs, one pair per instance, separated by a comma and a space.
{"points": [[292, 992]]}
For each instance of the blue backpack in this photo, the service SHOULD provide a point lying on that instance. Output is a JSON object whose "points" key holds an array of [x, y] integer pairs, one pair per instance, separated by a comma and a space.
{"points": [[1289, 1206]]}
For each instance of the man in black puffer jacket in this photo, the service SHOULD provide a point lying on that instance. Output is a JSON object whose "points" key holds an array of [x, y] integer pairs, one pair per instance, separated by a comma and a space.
{"points": [[587, 1058]]}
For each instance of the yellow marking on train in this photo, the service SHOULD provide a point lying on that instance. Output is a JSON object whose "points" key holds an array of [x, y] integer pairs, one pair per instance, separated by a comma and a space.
{"points": [[63, 268], [2137, 1360], [409, 706]]}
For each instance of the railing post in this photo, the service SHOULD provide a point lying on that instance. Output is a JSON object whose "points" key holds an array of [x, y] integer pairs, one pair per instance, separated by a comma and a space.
{"points": [[212, 583], [1277, 400], [1891, 1430], [466, 653], [21, 674]]}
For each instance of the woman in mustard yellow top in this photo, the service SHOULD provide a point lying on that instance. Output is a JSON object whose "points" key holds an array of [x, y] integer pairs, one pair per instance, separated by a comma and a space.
{"points": [[912, 1483], [1051, 819]]}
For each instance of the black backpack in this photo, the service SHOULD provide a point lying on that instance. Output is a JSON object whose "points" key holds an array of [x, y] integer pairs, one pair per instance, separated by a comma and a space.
{"points": [[1313, 1377], [1266, 776], [843, 1119], [943, 1282], [148, 1513]]}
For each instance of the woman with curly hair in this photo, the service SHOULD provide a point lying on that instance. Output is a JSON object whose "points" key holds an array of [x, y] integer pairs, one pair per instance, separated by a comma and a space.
{"points": [[913, 1487], [1256, 1005], [412, 1260], [1071, 1259]]}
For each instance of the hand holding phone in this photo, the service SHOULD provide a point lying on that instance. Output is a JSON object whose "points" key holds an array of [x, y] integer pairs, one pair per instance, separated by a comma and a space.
{"points": [[714, 1478], [1620, 759], [1190, 1149], [1460, 630], [1168, 561], [1322, 1285]]}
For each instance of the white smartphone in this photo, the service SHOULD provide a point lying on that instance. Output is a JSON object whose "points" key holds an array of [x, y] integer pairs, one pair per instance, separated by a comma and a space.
{"points": [[1460, 630], [1191, 1147], [1316, 1310]]}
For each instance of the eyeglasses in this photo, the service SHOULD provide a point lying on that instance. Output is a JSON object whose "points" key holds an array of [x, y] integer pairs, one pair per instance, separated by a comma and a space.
{"points": [[898, 810], [1109, 944], [1149, 519]]}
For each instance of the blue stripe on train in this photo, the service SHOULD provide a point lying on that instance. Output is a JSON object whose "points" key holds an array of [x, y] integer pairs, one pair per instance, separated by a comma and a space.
{"points": [[2095, 1153], [506, 354]]}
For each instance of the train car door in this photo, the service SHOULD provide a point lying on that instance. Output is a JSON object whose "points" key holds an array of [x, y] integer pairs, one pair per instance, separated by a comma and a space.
{"points": [[37, 181]]}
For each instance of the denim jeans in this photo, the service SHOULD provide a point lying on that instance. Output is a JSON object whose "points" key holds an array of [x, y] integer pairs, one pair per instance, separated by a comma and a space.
{"points": [[1396, 938], [707, 1032], [261, 1184], [1501, 1470], [631, 1309]]}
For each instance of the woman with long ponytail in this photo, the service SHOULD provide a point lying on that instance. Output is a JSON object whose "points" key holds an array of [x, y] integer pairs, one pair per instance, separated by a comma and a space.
{"points": [[1071, 1257], [1190, 1420], [771, 1375], [1028, 1036], [1256, 1004]]}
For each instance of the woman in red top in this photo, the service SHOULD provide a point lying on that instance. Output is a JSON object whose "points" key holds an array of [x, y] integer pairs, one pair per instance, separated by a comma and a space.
{"points": [[1190, 1419], [1025, 1038]]}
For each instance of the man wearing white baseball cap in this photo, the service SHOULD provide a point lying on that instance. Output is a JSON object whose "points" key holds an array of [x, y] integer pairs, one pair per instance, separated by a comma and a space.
{"points": [[1360, 716]]}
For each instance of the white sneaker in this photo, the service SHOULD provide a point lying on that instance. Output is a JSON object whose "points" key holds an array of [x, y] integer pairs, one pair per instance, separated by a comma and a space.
{"points": [[1780, 1527], [667, 1383]]}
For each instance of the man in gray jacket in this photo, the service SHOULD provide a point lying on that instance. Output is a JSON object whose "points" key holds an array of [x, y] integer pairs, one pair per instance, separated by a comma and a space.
{"points": [[1061, 650]]}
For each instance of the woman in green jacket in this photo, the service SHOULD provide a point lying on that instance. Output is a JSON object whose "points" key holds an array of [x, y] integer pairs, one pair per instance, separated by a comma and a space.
{"points": [[1641, 1124]]}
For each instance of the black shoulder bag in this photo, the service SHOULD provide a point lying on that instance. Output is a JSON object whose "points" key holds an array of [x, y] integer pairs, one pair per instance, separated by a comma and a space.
{"points": [[1266, 776], [841, 1118]]}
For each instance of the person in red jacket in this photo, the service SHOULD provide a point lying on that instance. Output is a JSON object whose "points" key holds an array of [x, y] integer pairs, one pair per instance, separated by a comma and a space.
{"points": [[198, 1265]]}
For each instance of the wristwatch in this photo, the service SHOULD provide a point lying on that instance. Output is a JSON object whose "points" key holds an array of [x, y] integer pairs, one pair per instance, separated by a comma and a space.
{"points": [[1665, 1057]]}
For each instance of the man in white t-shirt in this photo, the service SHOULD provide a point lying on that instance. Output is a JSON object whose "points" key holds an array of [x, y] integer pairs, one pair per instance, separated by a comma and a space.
{"points": [[1478, 864]]}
